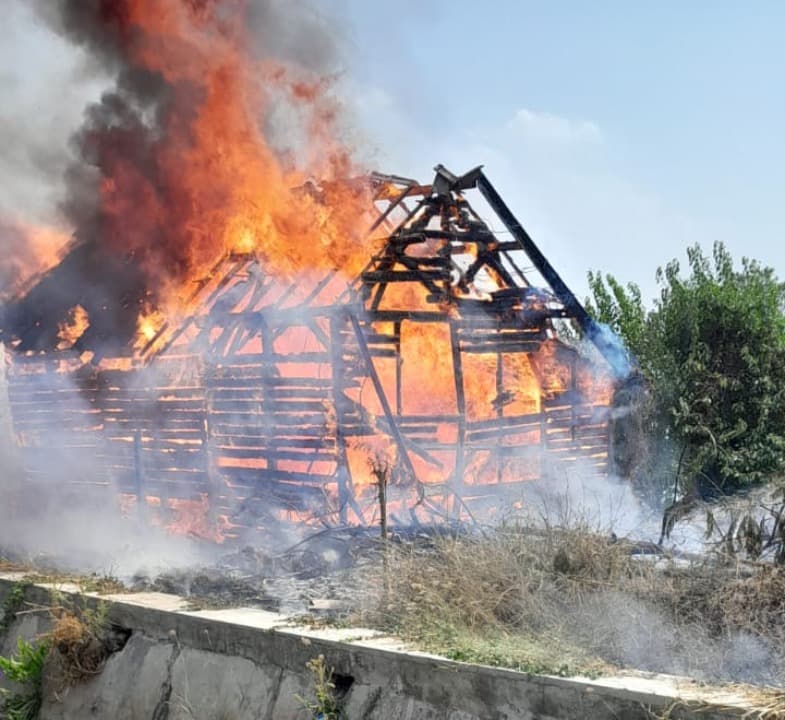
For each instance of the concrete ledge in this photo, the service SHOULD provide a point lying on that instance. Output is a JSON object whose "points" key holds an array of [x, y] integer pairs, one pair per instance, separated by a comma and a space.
{"points": [[248, 663]]}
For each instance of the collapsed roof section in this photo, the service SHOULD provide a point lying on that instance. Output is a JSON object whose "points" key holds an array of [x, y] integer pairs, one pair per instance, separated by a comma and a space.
{"points": [[110, 290]]}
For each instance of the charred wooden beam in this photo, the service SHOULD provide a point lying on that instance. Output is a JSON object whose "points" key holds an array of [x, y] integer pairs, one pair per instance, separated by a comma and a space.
{"points": [[398, 369], [593, 331], [391, 276], [500, 347], [382, 397], [461, 406]]}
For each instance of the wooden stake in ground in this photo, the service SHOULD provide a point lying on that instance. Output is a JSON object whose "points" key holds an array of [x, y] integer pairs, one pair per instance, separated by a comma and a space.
{"points": [[380, 467]]}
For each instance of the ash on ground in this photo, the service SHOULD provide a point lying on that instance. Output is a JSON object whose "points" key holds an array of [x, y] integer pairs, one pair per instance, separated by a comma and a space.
{"points": [[315, 576]]}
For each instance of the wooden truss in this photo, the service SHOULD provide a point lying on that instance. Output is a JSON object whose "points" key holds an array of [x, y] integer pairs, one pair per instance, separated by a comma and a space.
{"points": [[273, 397]]}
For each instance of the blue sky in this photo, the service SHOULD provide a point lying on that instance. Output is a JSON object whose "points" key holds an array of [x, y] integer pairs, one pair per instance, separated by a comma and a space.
{"points": [[619, 132]]}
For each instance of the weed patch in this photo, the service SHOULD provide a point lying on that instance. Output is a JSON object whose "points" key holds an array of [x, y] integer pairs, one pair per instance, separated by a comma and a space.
{"points": [[76, 647], [324, 705], [26, 669], [569, 601], [11, 605]]}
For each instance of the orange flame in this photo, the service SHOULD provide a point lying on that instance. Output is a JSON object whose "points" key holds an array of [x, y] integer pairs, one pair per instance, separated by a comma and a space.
{"points": [[148, 325], [218, 186], [70, 331], [28, 250]]}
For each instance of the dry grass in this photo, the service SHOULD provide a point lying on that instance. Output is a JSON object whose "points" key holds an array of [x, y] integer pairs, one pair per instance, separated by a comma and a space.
{"points": [[760, 703], [78, 650], [756, 603], [7, 565], [573, 601], [500, 598]]}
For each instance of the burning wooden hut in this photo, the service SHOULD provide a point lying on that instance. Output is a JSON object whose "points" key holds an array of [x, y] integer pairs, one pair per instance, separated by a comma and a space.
{"points": [[440, 368]]}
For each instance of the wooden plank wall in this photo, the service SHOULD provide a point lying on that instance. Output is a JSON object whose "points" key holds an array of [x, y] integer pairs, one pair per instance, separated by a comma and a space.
{"points": [[241, 431], [270, 435], [131, 432], [58, 424]]}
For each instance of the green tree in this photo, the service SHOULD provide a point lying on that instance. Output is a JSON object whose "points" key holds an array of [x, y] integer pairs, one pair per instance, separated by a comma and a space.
{"points": [[713, 351]]}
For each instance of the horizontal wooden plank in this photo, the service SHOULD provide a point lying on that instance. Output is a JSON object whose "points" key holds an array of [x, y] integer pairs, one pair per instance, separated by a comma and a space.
{"points": [[181, 490], [283, 434], [172, 454], [498, 335], [229, 382], [270, 453], [55, 429], [268, 392], [44, 398], [418, 429], [157, 404], [178, 422], [374, 338], [174, 475], [501, 432], [267, 419], [383, 352], [392, 276], [531, 419], [268, 406], [576, 442], [499, 347], [243, 365], [270, 443], [251, 476], [154, 391], [55, 412], [175, 440]]}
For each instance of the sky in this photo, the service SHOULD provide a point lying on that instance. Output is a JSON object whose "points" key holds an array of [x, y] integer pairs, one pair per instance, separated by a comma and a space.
{"points": [[618, 132]]}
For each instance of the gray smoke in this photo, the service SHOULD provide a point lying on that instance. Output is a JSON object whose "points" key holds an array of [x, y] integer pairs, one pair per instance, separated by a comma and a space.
{"points": [[44, 90], [17, 256], [295, 31], [75, 99]]}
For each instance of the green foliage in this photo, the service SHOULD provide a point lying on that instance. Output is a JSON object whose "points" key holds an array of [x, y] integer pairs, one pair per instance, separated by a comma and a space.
{"points": [[13, 601], [621, 309], [28, 665], [26, 669], [515, 652], [325, 704], [713, 351], [74, 648]]}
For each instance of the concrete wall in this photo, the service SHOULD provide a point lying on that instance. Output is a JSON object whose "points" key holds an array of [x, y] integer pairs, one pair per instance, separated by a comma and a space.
{"points": [[248, 664]]}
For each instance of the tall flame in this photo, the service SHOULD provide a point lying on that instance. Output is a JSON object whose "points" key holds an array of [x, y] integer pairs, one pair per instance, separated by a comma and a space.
{"points": [[186, 169]]}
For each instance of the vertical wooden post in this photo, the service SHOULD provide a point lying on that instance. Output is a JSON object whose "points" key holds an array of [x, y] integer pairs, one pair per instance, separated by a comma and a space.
{"points": [[499, 412], [381, 469], [543, 459], [573, 399], [343, 477], [398, 369], [213, 489], [460, 399], [268, 370], [381, 481], [141, 502]]}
